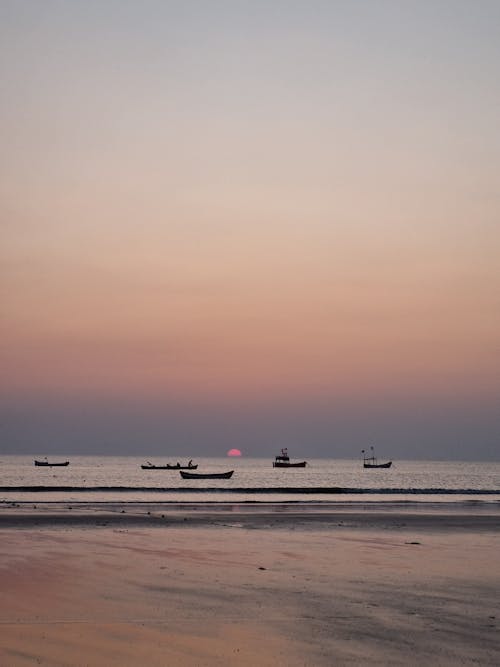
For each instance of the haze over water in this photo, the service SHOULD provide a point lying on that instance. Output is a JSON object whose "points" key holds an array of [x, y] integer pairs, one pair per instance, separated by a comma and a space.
{"points": [[252, 225]]}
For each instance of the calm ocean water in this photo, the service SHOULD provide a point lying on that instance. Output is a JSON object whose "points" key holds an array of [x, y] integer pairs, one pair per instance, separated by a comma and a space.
{"points": [[105, 478]]}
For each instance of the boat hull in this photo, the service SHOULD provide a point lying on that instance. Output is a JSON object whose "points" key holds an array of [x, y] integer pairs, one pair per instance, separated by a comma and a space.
{"points": [[47, 464], [378, 465], [281, 464], [208, 475], [169, 467]]}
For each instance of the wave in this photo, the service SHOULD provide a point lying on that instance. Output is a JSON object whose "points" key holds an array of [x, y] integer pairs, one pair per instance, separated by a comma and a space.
{"points": [[323, 490]]}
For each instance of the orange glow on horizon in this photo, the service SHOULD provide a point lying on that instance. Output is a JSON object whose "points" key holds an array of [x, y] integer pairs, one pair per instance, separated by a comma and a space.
{"points": [[180, 248]]}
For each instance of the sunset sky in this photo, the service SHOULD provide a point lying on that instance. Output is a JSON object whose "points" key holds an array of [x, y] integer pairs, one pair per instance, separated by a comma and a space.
{"points": [[250, 224]]}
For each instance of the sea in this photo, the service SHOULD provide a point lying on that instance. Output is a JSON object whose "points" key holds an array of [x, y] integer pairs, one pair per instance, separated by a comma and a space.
{"points": [[104, 479]]}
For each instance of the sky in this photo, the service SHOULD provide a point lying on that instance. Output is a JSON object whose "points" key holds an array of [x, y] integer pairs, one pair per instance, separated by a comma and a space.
{"points": [[250, 224]]}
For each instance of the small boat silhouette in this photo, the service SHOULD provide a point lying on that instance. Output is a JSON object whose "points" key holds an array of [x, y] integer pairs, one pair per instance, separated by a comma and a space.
{"points": [[372, 462]]}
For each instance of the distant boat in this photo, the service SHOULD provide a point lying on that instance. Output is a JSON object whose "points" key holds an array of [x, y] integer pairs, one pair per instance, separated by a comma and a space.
{"points": [[283, 461], [51, 464], [206, 475], [372, 462], [169, 466]]}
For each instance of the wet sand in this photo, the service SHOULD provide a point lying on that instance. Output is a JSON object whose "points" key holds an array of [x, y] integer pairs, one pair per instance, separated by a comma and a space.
{"points": [[194, 587]]}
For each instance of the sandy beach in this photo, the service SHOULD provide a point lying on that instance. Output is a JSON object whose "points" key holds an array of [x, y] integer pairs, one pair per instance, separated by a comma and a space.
{"points": [[145, 586]]}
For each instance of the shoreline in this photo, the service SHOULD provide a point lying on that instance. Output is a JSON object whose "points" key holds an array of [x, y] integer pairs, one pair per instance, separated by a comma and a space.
{"points": [[430, 516]]}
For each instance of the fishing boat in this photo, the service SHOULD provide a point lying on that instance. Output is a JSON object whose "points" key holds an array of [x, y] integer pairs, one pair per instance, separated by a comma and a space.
{"points": [[169, 466], [206, 475], [51, 464], [283, 461], [372, 461]]}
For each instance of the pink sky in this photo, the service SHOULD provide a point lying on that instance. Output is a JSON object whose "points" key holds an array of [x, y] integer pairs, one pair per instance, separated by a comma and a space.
{"points": [[203, 207]]}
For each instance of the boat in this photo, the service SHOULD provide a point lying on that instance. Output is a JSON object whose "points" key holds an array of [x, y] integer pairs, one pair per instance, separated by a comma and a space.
{"points": [[206, 475], [169, 466], [283, 461], [372, 461], [51, 464]]}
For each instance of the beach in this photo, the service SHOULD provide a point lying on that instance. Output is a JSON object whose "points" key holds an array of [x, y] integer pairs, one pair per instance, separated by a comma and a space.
{"points": [[139, 585]]}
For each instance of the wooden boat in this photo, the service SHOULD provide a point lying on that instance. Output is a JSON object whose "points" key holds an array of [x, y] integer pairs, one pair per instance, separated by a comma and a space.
{"points": [[51, 464], [168, 466], [206, 475], [283, 461], [372, 462]]}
